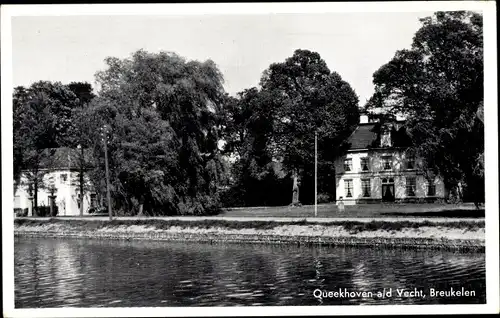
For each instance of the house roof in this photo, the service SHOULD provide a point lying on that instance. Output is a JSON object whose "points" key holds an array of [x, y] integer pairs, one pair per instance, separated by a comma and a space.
{"points": [[367, 136], [363, 136], [64, 158]]}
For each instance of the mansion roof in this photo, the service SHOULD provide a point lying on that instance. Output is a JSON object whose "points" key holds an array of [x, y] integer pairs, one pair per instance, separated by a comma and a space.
{"points": [[64, 158], [368, 135]]}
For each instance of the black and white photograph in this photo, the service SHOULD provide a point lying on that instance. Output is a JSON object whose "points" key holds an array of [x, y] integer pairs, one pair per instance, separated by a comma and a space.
{"points": [[288, 158]]}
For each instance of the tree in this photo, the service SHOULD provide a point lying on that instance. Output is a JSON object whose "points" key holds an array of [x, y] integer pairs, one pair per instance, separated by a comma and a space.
{"points": [[41, 121], [438, 86], [163, 113], [308, 99], [20, 98], [84, 94], [142, 158], [248, 137]]}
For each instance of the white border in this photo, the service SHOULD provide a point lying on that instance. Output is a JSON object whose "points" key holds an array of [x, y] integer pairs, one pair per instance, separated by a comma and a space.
{"points": [[242, 8], [491, 151], [491, 156]]}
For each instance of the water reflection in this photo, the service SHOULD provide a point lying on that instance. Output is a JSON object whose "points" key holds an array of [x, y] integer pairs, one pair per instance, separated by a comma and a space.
{"points": [[91, 273]]}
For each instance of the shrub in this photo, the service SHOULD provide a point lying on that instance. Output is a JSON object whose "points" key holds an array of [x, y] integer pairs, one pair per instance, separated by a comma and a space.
{"points": [[323, 198], [454, 199], [21, 212], [440, 201], [44, 211]]}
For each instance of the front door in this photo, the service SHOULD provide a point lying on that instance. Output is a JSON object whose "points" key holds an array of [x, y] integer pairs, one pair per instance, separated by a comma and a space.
{"points": [[388, 192]]}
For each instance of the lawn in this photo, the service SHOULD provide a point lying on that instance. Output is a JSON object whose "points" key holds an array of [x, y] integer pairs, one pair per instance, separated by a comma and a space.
{"points": [[362, 210]]}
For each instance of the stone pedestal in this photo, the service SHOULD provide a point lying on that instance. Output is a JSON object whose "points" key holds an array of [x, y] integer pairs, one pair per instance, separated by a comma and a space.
{"points": [[295, 191], [30, 207]]}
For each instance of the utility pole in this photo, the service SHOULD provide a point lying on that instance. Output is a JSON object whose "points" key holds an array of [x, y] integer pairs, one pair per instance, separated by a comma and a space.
{"points": [[105, 140], [316, 173], [81, 162]]}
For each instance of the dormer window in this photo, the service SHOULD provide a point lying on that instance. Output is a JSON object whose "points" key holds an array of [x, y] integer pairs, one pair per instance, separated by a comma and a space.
{"points": [[385, 137], [348, 164]]}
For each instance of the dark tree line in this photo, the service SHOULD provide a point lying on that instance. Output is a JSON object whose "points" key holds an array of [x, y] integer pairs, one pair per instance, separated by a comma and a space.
{"points": [[166, 118], [178, 144]]}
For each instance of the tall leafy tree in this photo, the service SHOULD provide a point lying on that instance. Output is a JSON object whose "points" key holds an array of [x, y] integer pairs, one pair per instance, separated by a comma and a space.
{"points": [[83, 92], [438, 85], [42, 120], [308, 99], [249, 138], [142, 157], [164, 95], [79, 138], [20, 98]]}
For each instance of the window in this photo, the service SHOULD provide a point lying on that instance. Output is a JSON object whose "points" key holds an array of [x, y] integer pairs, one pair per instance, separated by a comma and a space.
{"points": [[431, 188], [410, 163], [348, 164], [411, 184], [387, 163], [93, 200], [51, 182], [385, 137], [64, 177], [364, 164], [17, 201], [365, 187], [388, 181], [348, 188]]}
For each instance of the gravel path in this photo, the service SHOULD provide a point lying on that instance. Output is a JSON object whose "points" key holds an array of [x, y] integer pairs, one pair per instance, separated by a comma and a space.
{"points": [[275, 219]]}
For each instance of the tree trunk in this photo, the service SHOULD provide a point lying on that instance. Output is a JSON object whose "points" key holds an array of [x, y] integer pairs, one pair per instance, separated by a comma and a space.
{"points": [[51, 206], [295, 189], [82, 163], [81, 189], [141, 206], [35, 198]]}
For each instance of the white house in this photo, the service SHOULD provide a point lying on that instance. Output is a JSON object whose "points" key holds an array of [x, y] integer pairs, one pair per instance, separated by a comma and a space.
{"points": [[379, 168], [61, 172]]}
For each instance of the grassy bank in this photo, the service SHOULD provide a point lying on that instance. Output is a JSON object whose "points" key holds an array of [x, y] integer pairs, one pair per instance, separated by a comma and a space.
{"points": [[450, 234], [350, 226]]}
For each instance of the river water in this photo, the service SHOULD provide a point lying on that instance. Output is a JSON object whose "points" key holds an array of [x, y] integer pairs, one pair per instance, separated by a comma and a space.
{"points": [[93, 273]]}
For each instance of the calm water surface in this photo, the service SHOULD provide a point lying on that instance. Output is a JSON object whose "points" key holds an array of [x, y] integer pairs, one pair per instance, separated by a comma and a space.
{"points": [[91, 273]]}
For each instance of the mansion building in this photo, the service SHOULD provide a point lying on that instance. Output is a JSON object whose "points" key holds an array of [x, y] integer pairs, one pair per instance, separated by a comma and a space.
{"points": [[379, 168], [59, 184]]}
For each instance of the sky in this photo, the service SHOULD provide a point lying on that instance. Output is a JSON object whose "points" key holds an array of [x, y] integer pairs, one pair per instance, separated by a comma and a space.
{"points": [[73, 48]]}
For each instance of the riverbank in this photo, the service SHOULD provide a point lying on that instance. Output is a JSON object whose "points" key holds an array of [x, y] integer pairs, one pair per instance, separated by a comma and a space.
{"points": [[450, 234]]}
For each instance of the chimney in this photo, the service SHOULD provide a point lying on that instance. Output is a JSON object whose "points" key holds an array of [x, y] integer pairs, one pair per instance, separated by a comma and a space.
{"points": [[363, 118]]}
